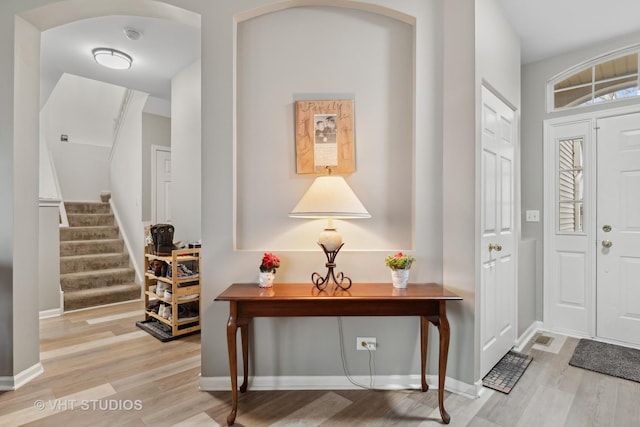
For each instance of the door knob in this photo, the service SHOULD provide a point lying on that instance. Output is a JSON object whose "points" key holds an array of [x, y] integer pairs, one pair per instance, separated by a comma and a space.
{"points": [[607, 244], [606, 228], [495, 247]]}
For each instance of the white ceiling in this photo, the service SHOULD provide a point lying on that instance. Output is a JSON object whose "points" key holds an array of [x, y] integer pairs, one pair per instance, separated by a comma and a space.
{"points": [[546, 28], [552, 27], [164, 48]]}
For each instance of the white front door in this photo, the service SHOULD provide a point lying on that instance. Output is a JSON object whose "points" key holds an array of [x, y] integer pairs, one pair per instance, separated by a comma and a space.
{"points": [[498, 240], [161, 191], [618, 229]]}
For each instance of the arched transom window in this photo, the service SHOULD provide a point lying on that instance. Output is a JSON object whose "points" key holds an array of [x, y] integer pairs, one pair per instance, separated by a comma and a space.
{"points": [[604, 79]]}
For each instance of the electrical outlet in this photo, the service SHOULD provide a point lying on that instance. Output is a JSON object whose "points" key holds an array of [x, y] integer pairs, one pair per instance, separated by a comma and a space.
{"points": [[366, 343]]}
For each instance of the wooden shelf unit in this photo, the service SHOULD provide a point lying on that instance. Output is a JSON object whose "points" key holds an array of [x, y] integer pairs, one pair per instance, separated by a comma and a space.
{"points": [[180, 287]]}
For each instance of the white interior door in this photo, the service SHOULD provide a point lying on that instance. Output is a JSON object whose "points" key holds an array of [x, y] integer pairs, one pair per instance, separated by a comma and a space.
{"points": [[618, 229], [161, 191], [498, 240]]}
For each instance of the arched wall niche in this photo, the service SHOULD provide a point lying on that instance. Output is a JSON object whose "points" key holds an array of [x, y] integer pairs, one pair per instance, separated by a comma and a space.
{"points": [[391, 123], [368, 7], [66, 11]]}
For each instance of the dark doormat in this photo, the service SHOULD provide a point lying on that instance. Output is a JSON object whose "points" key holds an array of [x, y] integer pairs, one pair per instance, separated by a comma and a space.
{"points": [[160, 330], [504, 376], [608, 359]]}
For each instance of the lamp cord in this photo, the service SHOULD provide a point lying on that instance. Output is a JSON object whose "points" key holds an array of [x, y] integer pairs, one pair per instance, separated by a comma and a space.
{"points": [[344, 361], [371, 367]]}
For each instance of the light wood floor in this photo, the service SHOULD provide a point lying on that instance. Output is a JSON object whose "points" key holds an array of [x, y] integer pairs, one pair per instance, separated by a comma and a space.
{"points": [[101, 370]]}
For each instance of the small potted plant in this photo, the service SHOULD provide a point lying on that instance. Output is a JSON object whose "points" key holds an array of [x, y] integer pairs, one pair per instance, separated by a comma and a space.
{"points": [[268, 266], [399, 265]]}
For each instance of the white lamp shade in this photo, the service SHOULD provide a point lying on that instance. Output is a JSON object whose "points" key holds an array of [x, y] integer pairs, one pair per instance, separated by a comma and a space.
{"points": [[112, 58], [329, 197]]}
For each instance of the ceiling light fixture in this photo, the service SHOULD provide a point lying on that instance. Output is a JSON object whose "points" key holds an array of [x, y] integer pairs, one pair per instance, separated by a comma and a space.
{"points": [[112, 58]]}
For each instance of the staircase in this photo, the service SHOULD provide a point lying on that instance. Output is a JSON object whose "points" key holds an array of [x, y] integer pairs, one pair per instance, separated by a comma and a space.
{"points": [[94, 267]]}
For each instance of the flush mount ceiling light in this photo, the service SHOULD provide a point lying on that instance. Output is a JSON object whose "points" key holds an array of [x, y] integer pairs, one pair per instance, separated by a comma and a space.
{"points": [[112, 58]]}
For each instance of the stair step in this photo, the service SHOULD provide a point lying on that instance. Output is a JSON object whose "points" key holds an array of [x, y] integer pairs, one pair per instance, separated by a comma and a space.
{"points": [[87, 207], [84, 220], [85, 247], [78, 263], [96, 279], [74, 300], [89, 233]]}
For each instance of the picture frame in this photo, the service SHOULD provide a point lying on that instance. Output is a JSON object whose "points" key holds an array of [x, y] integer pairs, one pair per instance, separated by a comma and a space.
{"points": [[325, 136]]}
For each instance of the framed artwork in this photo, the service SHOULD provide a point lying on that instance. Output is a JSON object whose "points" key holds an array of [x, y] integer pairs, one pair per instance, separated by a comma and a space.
{"points": [[325, 136]]}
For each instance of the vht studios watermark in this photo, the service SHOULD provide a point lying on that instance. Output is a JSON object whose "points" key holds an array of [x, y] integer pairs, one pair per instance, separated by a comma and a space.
{"points": [[88, 405]]}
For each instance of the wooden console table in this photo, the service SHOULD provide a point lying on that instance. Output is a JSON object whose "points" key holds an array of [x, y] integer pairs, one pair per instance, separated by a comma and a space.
{"points": [[247, 300]]}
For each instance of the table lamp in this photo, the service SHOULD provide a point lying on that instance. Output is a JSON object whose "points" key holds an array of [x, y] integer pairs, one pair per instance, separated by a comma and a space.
{"points": [[330, 197]]}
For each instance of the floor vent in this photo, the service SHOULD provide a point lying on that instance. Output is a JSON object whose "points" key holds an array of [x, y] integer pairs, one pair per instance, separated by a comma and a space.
{"points": [[543, 340]]}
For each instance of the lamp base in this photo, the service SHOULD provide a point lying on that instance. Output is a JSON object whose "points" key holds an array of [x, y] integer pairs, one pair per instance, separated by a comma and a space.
{"points": [[339, 280]]}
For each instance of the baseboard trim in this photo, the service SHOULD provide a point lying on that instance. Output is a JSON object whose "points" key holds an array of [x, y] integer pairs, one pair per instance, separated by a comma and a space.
{"points": [[381, 382], [128, 245], [528, 335], [103, 306], [17, 381], [54, 312]]}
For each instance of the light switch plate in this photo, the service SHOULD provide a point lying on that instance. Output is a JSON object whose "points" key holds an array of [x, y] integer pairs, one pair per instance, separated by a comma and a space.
{"points": [[532, 216]]}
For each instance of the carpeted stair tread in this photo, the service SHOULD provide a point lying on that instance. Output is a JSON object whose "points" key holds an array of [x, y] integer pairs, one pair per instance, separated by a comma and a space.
{"points": [[78, 263], [89, 233], [96, 278], [94, 264], [86, 247], [84, 220], [87, 207], [74, 300]]}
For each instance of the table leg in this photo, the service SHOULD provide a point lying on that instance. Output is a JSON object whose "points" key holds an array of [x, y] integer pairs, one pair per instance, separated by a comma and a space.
{"points": [[244, 333], [443, 328], [424, 339], [232, 328]]}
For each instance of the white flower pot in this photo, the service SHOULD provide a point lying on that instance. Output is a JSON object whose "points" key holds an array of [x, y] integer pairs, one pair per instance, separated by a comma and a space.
{"points": [[265, 279], [400, 278]]}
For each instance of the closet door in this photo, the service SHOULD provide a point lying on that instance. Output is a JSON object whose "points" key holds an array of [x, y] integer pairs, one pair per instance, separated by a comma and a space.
{"points": [[498, 240]]}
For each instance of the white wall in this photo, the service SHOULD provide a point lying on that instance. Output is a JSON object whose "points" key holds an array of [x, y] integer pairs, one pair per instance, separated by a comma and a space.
{"points": [[71, 110], [459, 180], [126, 183], [75, 163], [311, 63], [49, 266], [46, 179], [156, 130], [224, 133], [186, 144], [497, 59], [19, 90], [284, 346], [486, 51]]}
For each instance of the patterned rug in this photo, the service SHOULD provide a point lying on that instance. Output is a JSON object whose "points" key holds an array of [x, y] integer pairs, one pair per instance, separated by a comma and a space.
{"points": [[608, 359], [504, 376]]}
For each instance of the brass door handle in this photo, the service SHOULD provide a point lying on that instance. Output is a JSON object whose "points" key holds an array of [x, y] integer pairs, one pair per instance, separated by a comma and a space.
{"points": [[495, 247], [607, 244]]}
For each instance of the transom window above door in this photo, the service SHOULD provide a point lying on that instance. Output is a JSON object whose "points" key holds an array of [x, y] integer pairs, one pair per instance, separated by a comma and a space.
{"points": [[604, 79]]}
